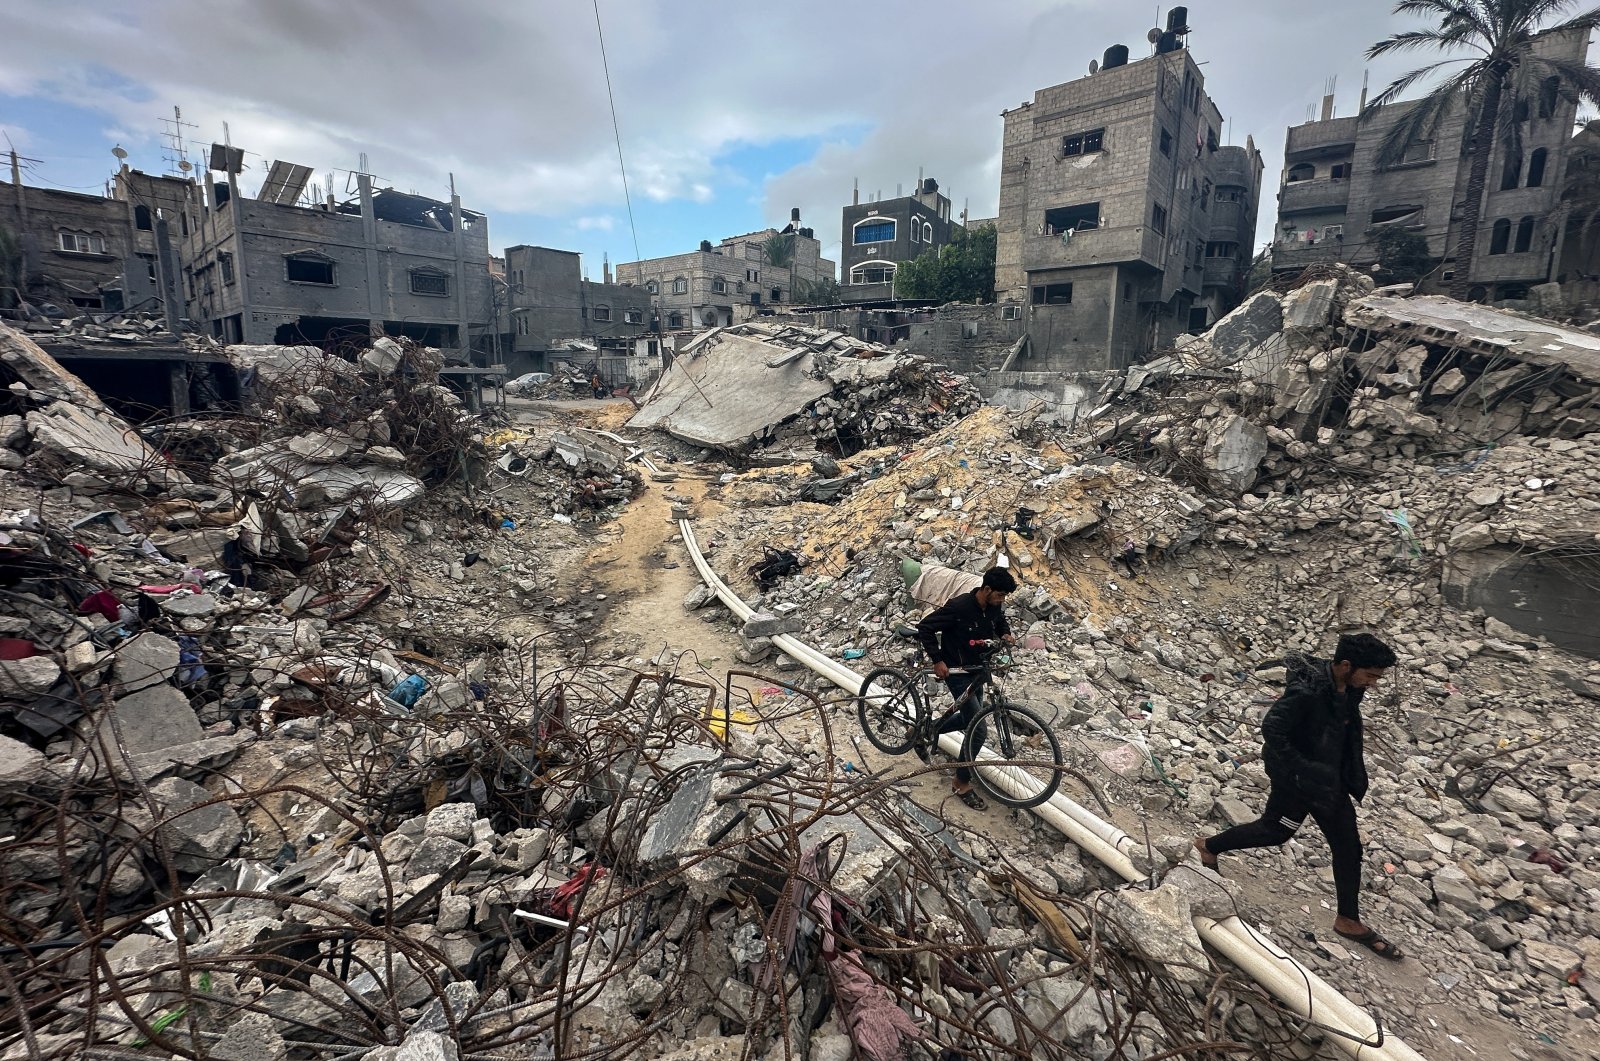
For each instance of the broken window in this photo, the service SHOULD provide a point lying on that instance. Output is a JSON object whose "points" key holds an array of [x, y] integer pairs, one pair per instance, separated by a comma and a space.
{"points": [[225, 264], [1071, 218], [149, 266], [674, 320], [632, 316], [1011, 312], [1083, 143], [1300, 171], [1158, 218], [141, 218], [1549, 96], [1511, 174], [873, 273], [680, 286], [1222, 249], [652, 287], [602, 313], [777, 294], [1536, 163], [1229, 195], [429, 282], [1401, 216], [1333, 232], [1500, 237], [81, 242], [873, 230], [1052, 295], [306, 269], [1166, 143], [1525, 235], [1340, 171]]}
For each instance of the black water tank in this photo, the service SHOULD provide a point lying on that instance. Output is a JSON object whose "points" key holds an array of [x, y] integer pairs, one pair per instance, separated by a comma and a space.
{"points": [[1178, 20], [929, 186], [1116, 55], [794, 215], [705, 245], [1169, 42], [809, 233]]}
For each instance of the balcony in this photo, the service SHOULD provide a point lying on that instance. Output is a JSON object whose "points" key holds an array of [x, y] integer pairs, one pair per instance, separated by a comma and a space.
{"points": [[1232, 167], [1096, 246], [1337, 134], [1299, 255], [1303, 197], [1228, 221], [1221, 272]]}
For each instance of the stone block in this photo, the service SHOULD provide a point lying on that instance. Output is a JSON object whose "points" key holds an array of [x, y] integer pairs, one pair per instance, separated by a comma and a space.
{"points": [[19, 764], [201, 838], [145, 660], [28, 678]]}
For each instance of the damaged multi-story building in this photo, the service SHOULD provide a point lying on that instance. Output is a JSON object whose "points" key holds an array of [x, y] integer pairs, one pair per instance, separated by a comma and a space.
{"points": [[283, 267], [879, 236], [1124, 219], [550, 307], [94, 253], [1335, 198], [716, 286]]}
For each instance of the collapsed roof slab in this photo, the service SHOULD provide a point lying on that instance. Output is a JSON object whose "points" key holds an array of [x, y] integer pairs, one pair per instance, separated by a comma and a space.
{"points": [[728, 394], [1480, 330]]}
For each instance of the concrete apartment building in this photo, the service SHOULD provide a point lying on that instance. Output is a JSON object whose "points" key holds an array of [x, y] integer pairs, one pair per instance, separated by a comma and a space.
{"points": [[1333, 196], [96, 253], [877, 237], [275, 269], [1124, 222], [549, 303], [718, 286]]}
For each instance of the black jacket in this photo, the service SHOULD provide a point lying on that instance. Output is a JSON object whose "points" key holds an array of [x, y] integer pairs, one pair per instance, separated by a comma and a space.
{"points": [[944, 632], [1311, 737]]}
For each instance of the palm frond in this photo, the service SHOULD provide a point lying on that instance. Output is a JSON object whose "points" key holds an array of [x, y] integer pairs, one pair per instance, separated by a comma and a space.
{"points": [[1397, 87], [1532, 13], [1417, 40], [1421, 122]]}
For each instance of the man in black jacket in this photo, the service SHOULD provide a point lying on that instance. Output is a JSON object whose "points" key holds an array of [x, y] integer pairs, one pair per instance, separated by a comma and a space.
{"points": [[947, 635], [1311, 744]]}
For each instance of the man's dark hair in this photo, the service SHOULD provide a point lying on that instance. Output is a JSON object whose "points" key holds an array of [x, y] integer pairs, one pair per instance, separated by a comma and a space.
{"points": [[1363, 651], [1000, 580]]}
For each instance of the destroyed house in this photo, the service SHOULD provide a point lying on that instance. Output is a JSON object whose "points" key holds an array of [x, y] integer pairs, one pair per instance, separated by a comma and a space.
{"points": [[282, 268], [1124, 220], [548, 303], [1334, 199]]}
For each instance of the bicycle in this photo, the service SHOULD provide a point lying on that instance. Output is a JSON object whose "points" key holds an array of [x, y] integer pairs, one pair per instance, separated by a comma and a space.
{"points": [[894, 714]]}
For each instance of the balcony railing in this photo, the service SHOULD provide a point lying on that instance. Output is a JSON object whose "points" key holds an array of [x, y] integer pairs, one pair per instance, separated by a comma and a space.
{"points": [[1221, 272], [1322, 136], [1304, 196]]}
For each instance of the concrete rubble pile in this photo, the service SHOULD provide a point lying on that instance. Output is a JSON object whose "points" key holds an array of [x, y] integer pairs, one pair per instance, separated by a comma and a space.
{"points": [[1374, 470], [752, 385], [50, 321]]}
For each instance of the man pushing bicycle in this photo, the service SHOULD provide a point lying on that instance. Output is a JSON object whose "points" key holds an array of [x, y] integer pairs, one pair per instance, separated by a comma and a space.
{"points": [[947, 635]]}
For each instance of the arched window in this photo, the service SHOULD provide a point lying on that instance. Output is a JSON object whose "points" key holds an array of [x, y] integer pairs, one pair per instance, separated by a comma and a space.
{"points": [[1536, 163], [916, 230], [680, 286], [1525, 235], [1549, 96], [873, 230], [1511, 176], [1301, 171], [873, 273], [1500, 239], [652, 287], [927, 232], [674, 321]]}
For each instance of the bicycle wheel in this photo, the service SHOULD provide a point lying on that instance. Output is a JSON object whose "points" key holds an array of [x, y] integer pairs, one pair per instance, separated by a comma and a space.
{"points": [[891, 709], [1015, 732]]}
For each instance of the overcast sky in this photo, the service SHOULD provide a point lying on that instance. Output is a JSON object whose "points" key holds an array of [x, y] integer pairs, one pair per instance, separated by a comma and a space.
{"points": [[730, 114]]}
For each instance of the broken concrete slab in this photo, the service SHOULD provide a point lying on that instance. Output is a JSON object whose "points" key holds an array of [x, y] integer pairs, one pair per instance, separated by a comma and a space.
{"points": [[154, 718], [19, 764], [1480, 330], [144, 660], [27, 678], [1235, 448], [198, 839], [101, 442]]}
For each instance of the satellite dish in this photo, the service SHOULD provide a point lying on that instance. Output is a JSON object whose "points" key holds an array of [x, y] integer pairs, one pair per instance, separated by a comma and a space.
{"points": [[1094, 66], [185, 165], [121, 154], [1154, 35]]}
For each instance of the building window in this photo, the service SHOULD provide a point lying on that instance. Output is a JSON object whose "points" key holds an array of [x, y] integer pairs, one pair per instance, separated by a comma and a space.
{"points": [[522, 325], [1052, 295], [873, 230], [674, 320], [1158, 218], [308, 269], [1166, 143], [1229, 195], [1549, 95], [719, 285], [916, 230], [81, 243], [1511, 175], [1300, 171], [1399, 216], [1536, 163], [1222, 249], [1071, 218], [632, 316], [1011, 312], [1340, 171], [1500, 237], [873, 273], [1525, 235], [1127, 292], [652, 287], [141, 218], [225, 265], [1083, 143], [753, 276], [602, 313], [777, 294], [680, 286], [1331, 232], [150, 266], [429, 282], [927, 232]]}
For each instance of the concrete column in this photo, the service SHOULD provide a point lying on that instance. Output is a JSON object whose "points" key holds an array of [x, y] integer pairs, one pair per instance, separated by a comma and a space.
{"points": [[369, 238], [463, 340], [178, 387]]}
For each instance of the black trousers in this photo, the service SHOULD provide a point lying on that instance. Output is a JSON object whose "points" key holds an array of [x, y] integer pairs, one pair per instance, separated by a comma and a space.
{"points": [[959, 716], [1286, 810]]}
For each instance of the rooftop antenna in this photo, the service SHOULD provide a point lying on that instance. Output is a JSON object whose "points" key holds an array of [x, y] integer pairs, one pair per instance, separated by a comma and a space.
{"points": [[1363, 106], [176, 155]]}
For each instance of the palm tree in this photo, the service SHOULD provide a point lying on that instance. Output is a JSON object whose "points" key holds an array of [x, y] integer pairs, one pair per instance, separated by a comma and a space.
{"points": [[1501, 82], [779, 250]]}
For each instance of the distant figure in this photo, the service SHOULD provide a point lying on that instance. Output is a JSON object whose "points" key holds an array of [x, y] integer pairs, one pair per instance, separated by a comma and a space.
{"points": [[596, 386], [1312, 748]]}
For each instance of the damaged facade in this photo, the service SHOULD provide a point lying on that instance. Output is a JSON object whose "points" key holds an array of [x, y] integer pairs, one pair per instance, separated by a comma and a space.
{"points": [[548, 302], [273, 270], [1334, 198], [1124, 221]]}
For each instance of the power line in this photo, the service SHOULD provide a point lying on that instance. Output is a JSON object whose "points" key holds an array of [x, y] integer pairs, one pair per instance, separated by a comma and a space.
{"points": [[616, 130]]}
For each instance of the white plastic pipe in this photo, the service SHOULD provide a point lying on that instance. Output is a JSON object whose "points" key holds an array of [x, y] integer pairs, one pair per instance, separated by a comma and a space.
{"points": [[1264, 961]]}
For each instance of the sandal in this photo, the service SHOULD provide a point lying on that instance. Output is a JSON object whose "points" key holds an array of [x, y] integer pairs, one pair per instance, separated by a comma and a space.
{"points": [[1373, 942], [971, 798]]}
